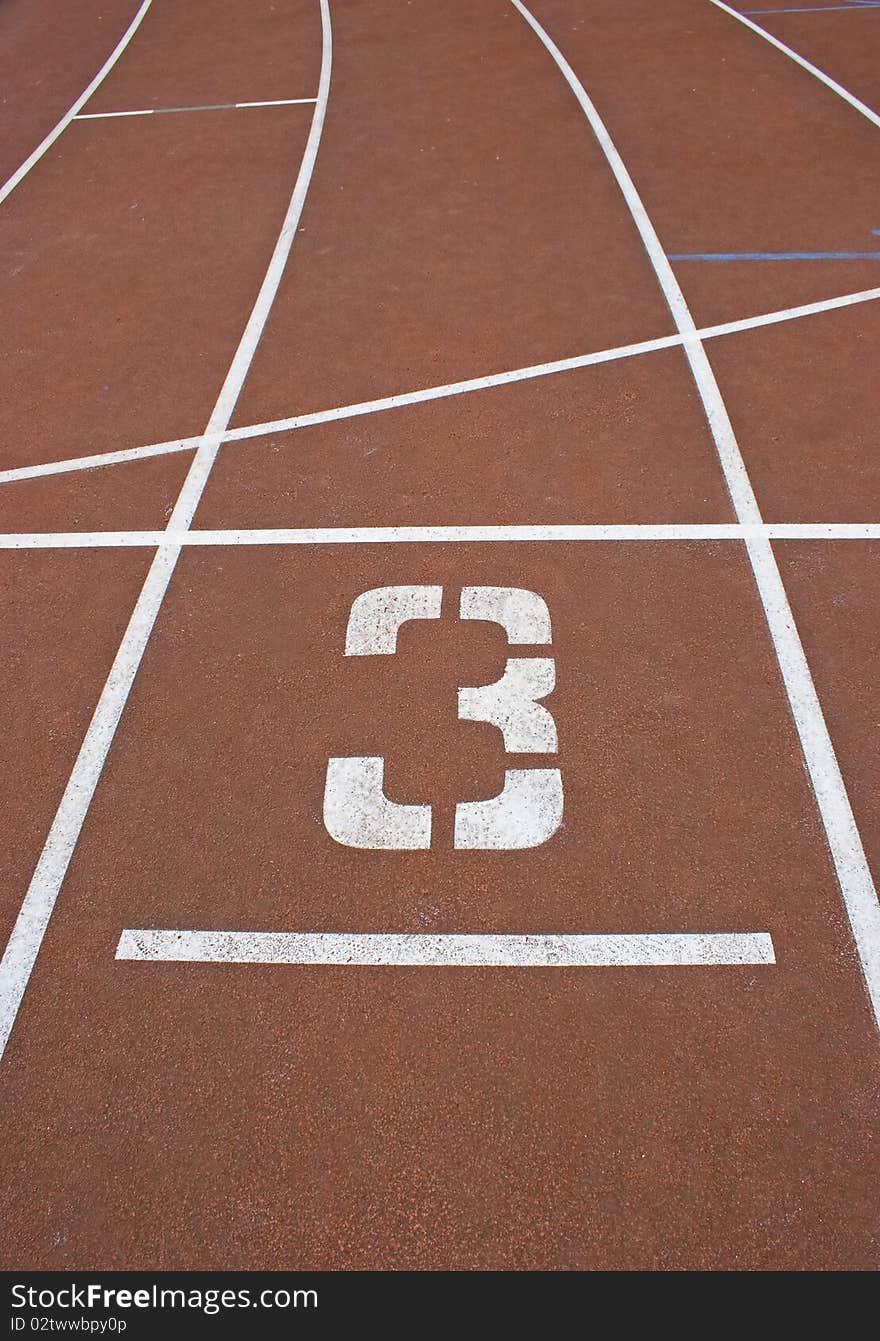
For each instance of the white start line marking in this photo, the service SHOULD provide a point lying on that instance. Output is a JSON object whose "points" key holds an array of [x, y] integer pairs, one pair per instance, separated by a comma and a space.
{"points": [[675, 532], [449, 949]]}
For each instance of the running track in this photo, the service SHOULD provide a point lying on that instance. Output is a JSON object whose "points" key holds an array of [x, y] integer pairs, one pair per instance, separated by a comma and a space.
{"points": [[379, 295]]}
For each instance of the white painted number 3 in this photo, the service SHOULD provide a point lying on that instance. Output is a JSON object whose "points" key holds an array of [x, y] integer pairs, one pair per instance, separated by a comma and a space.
{"points": [[528, 809]]}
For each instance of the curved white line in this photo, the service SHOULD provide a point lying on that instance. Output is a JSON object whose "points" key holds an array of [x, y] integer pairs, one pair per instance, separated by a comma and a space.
{"points": [[9, 186], [844, 840], [27, 935], [804, 64]]}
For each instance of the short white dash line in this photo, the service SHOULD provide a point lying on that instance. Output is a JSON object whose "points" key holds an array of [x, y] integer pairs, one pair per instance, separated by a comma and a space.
{"points": [[277, 102], [350, 949], [202, 107]]}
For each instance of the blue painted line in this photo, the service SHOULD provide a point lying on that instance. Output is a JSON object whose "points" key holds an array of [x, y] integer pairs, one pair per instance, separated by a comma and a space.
{"points": [[777, 256], [816, 9]]}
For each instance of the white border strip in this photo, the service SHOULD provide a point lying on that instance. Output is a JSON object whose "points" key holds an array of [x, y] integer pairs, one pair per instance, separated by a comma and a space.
{"points": [[27, 935], [458, 951], [398, 401], [799, 60], [853, 873], [72, 111], [439, 535]]}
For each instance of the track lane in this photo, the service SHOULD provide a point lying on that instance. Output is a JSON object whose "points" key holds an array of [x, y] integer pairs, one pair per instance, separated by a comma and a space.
{"points": [[835, 595], [60, 617], [625, 442], [138, 495], [805, 407]]}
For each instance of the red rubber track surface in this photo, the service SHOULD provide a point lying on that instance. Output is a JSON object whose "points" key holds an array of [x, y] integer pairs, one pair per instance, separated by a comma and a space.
{"points": [[462, 220], [846, 50], [50, 52]]}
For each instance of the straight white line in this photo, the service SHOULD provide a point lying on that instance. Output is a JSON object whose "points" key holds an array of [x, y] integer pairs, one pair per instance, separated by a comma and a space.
{"points": [[440, 535], [101, 459], [786, 314], [100, 116], [366, 535], [799, 60], [205, 107], [447, 950], [277, 102], [27, 935], [88, 540], [853, 873], [73, 110]]}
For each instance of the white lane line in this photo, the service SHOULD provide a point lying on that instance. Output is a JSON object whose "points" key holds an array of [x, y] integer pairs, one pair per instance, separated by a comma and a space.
{"points": [[100, 116], [27, 935], [398, 401], [814, 70], [853, 873], [276, 102], [785, 314], [459, 951], [100, 459], [73, 110], [367, 535], [203, 107], [681, 532]]}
